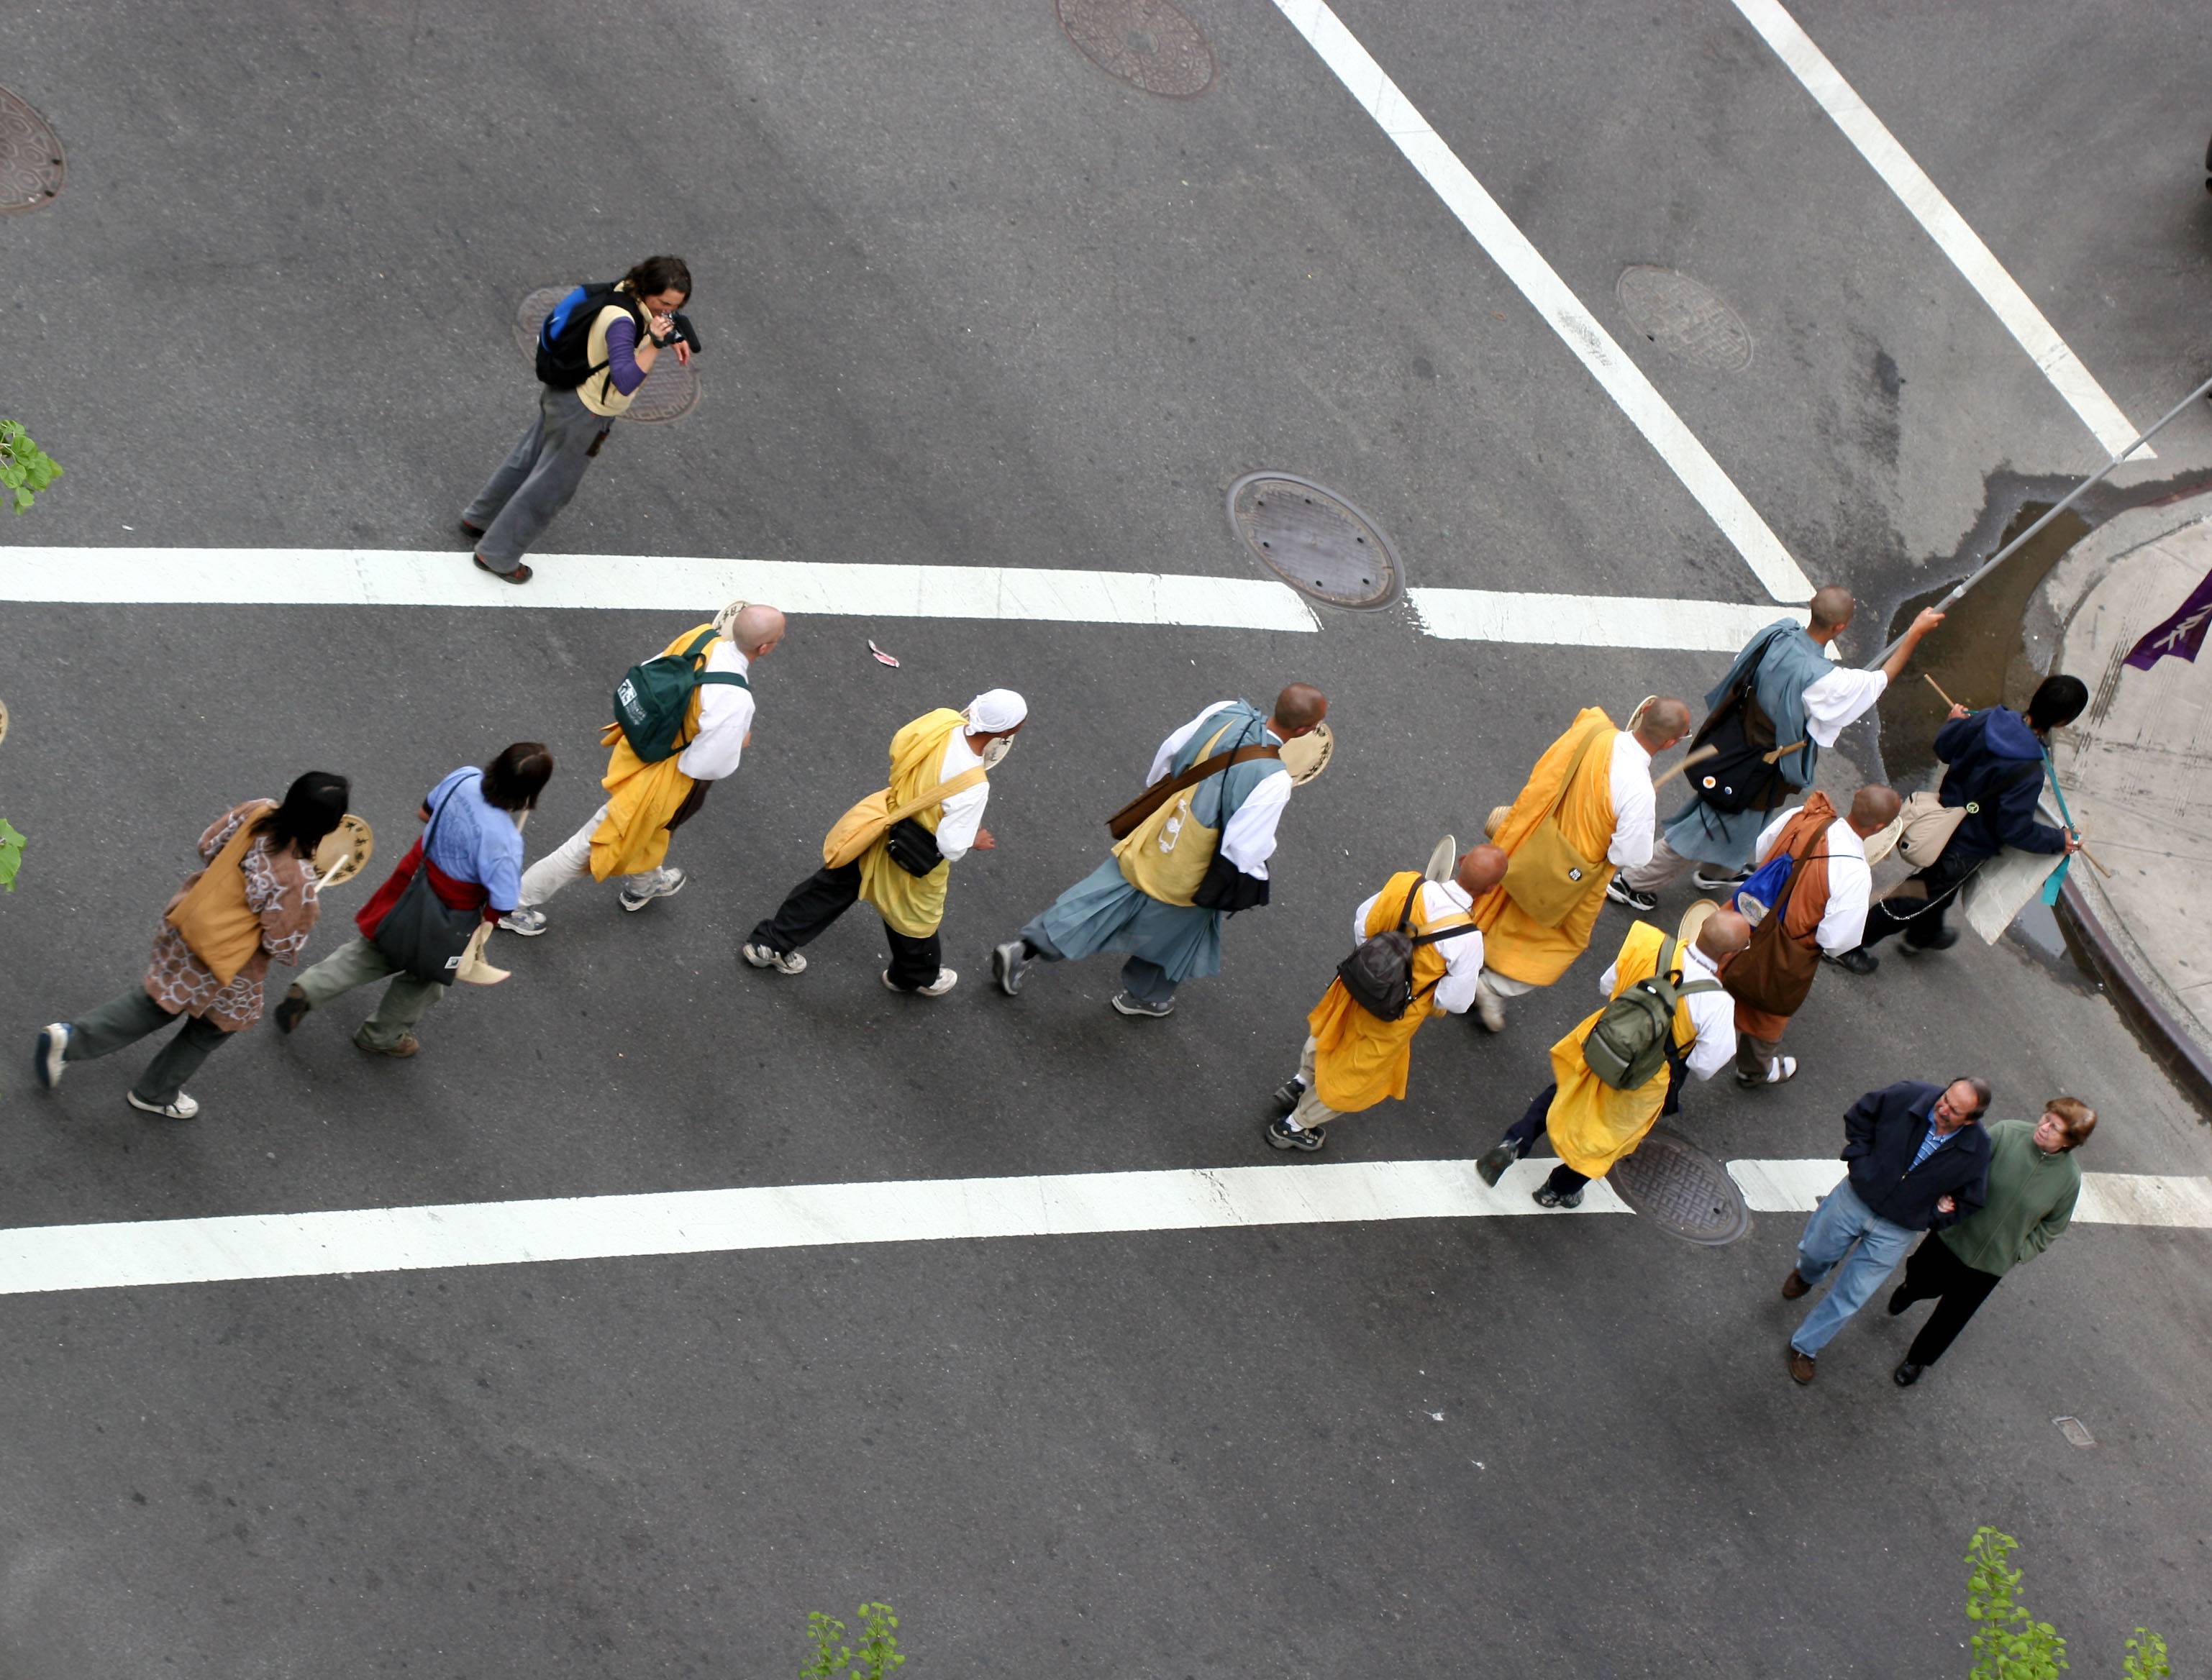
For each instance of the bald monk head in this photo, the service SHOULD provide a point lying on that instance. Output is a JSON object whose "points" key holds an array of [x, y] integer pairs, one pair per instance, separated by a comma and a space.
{"points": [[1832, 607], [1298, 709], [1723, 935], [1480, 868], [1874, 808], [756, 630], [1665, 721]]}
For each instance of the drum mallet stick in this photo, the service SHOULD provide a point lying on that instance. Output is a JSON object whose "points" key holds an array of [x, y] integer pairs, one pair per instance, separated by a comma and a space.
{"points": [[1938, 687]]}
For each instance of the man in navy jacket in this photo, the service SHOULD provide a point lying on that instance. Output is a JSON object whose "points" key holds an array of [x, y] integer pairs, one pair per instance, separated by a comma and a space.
{"points": [[1996, 775], [1916, 1161]]}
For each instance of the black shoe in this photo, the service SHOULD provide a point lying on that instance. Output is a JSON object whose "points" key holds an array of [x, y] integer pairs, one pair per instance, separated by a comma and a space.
{"points": [[470, 534], [1705, 881], [521, 575], [1942, 940], [1545, 1197], [293, 1010], [1288, 1094], [1899, 1301], [1008, 961], [1282, 1135], [1858, 961], [1906, 1374], [1621, 893], [1492, 1165]]}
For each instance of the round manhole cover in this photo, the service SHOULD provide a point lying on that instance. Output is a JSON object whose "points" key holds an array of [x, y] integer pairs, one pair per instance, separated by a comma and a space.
{"points": [[1148, 44], [32, 166], [671, 391], [1677, 1185], [1685, 317], [1313, 539]]}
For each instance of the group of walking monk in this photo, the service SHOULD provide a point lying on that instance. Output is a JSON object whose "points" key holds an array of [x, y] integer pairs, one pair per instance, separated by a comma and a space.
{"points": [[1791, 886]]}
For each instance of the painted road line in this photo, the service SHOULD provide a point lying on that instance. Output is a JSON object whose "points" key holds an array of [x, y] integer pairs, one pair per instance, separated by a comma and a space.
{"points": [[411, 578], [1934, 212], [1524, 265], [1591, 620], [42, 1259]]}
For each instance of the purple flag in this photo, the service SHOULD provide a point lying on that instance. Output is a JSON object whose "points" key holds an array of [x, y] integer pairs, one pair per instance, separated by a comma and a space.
{"points": [[2181, 634]]}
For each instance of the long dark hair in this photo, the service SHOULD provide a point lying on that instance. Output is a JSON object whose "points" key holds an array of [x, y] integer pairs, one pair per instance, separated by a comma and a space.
{"points": [[656, 274], [311, 808], [513, 781]]}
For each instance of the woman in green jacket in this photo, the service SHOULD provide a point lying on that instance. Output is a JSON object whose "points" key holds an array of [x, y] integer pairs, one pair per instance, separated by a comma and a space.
{"points": [[2034, 1182]]}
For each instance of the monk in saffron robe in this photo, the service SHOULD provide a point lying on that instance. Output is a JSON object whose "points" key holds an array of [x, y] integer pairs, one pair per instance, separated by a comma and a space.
{"points": [[1353, 1058], [1587, 810]]}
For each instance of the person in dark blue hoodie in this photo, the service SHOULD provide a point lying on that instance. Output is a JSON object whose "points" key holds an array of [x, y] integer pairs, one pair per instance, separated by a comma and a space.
{"points": [[1995, 774]]}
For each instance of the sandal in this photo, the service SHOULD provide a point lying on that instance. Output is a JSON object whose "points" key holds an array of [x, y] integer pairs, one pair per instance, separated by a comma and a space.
{"points": [[521, 575], [1781, 1068]]}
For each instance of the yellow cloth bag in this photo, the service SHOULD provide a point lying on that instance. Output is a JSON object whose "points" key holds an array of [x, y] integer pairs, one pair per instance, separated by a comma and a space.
{"points": [[632, 838], [1591, 1124], [1515, 943], [1548, 875], [1359, 1058], [1167, 855]]}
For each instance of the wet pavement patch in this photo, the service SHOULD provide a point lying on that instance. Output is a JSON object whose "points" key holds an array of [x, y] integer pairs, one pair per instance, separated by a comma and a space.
{"points": [[1678, 1186], [671, 391], [1148, 44], [33, 167], [1313, 539], [1684, 317]]}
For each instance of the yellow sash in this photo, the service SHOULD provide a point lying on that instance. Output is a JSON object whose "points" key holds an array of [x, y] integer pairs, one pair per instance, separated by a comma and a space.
{"points": [[1166, 856], [913, 904], [1515, 943], [633, 837]]}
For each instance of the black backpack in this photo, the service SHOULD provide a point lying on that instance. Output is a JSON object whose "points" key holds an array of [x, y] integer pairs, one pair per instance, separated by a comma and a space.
{"points": [[564, 342], [1735, 775], [651, 702], [1379, 973]]}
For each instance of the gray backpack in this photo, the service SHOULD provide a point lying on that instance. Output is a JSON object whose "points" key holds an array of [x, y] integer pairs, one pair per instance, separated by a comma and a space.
{"points": [[1379, 973], [1633, 1040]]}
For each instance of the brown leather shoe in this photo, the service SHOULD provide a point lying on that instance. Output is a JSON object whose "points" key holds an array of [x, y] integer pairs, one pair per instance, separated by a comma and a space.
{"points": [[1794, 1286], [408, 1044], [521, 575], [1800, 1364]]}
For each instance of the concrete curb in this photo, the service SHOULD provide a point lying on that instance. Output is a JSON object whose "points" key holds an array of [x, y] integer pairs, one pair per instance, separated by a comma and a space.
{"points": [[2168, 1041]]}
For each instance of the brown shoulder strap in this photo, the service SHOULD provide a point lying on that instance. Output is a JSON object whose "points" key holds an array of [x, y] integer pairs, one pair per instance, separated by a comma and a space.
{"points": [[1124, 822]]}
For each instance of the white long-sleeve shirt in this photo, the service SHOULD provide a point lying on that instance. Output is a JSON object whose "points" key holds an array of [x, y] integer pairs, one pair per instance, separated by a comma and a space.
{"points": [[1248, 839], [1851, 882], [1712, 1013], [1834, 702], [1461, 952], [1635, 804], [962, 815], [726, 717]]}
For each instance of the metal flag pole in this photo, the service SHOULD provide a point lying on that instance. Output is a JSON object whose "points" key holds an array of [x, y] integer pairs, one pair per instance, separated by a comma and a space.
{"points": [[2057, 508]]}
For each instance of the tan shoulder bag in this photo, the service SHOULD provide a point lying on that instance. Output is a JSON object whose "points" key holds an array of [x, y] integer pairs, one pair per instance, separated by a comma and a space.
{"points": [[1545, 875]]}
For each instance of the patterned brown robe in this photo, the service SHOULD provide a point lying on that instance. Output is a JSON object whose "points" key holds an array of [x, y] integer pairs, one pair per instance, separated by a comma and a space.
{"points": [[279, 887]]}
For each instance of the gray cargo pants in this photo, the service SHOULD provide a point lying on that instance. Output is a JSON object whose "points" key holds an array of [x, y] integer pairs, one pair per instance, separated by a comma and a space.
{"points": [[535, 482]]}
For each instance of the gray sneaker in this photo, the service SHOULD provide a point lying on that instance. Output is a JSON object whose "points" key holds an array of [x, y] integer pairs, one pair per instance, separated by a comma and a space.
{"points": [[1492, 1165], [661, 883], [1007, 963], [767, 956], [529, 921], [945, 980], [1708, 881], [1137, 1010]]}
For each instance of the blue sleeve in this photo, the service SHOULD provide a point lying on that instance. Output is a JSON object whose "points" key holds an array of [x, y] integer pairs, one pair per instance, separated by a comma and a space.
{"points": [[2017, 822], [503, 873], [621, 355], [1956, 736]]}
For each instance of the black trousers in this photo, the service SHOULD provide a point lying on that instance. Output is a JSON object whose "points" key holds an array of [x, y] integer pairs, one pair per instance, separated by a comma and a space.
{"points": [[809, 908], [1935, 1273], [1524, 1133], [1918, 919]]}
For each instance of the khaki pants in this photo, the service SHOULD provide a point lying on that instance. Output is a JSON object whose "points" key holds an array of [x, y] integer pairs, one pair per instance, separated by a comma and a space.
{"points": [[358, 963], [1311, 1110]]}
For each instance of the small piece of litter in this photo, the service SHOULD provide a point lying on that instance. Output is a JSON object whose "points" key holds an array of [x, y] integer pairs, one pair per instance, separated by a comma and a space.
{"points": [[883, 657], [2075, 1431], [1436, 1418]]}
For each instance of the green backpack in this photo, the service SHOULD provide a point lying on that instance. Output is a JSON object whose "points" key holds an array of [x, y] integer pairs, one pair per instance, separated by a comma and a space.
{"points": [[1633, 1040], [651, 702]]}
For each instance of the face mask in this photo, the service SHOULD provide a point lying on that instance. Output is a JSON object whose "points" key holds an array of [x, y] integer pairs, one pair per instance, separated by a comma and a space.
{"points": [[995, 754]]}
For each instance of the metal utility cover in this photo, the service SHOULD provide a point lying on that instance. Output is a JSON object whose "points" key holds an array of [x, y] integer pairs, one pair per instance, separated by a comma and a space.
{"points": [[1685, 317], [671, 390], [32, 166], [1148, 44], [1681, 1188], [1313, 539]]}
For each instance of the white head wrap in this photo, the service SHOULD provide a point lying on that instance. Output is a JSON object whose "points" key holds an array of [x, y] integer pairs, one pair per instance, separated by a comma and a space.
{"points": [[996, 709]]}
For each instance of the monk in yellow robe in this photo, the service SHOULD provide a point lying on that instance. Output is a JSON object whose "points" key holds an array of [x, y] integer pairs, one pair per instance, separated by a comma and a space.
{"points": [[1353, 1058], [1592, 1124], [1588, 810]]}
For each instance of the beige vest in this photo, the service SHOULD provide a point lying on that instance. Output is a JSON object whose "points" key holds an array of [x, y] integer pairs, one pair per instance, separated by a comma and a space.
{"points": [[598, 393], [1166, 856]]}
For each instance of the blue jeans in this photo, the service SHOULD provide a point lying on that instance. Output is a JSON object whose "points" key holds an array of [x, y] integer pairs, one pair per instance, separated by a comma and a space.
{"points": [[1840, 1221]]}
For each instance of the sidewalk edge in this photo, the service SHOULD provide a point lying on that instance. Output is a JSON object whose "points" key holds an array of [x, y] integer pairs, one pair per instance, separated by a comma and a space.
{"points": [[2168, 1041]]}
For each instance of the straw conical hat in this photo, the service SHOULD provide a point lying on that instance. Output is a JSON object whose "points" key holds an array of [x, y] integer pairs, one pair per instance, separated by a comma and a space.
{"points": [[1442, 860]]}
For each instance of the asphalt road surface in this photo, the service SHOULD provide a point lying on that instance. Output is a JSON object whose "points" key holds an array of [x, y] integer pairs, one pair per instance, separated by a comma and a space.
{"points": [[971, 300]]}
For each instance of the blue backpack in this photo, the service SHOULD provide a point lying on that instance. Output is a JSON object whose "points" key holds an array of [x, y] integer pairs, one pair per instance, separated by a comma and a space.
{"points": [[564, 342], [1763, 889]]}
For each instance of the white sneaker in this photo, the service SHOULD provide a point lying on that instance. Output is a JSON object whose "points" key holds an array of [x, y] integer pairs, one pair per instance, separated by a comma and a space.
{"points": [[784, 962], [529, 921], [179, 1108], [1489, 1008], [661, 883], [945, 980], [49, 1056]]}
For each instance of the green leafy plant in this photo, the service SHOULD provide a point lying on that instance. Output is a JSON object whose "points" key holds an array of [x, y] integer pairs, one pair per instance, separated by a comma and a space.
{"points": [[833, 1659], [11, 854], [25, 469], [2010, 1644]]}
